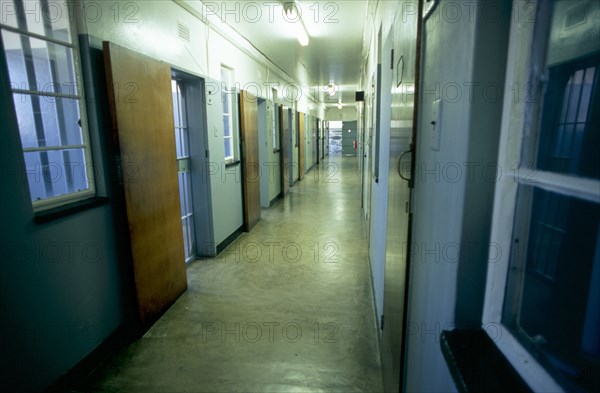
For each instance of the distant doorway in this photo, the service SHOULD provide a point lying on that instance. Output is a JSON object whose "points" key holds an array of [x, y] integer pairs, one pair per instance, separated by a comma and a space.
{"points": [[335, 137], [189, 116]]}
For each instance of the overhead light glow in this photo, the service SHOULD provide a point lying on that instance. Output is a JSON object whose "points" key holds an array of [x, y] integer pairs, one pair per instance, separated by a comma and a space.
{"points": [[303, 38], [331, 89], [292, 15]]}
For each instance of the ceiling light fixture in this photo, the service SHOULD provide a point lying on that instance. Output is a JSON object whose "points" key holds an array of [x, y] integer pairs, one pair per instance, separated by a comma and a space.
{"points": [[295, 17], [331, 89], [339, 105]]}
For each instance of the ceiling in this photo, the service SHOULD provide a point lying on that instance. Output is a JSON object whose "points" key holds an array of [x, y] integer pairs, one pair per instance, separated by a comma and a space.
{"points": [[335, 49]]}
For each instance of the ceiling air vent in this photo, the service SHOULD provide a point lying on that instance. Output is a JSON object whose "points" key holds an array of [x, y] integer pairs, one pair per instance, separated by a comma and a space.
{"points": [[183, 31], [576, 15]]}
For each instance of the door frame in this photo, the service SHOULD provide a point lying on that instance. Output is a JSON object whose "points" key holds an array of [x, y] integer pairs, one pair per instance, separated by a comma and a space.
{"points": [[301, 144], [195, 103], [250, 159], [284, 148]]}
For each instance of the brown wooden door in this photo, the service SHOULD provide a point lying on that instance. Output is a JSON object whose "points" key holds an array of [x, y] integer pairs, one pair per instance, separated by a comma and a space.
{"points": [[301, 145], [250, 160], [142, 122], [285, 135]]}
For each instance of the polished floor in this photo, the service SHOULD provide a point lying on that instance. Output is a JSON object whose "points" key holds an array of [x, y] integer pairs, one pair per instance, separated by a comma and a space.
{"points": [[287, 307]]}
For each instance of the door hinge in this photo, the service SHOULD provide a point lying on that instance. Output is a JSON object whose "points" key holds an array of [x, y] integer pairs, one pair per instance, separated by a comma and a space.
{"points": [[381, 323], [207, 153], [392, 65]]}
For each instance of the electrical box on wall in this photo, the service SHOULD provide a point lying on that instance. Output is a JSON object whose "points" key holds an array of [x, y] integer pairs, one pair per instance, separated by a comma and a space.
{"points": [[436, 125]]}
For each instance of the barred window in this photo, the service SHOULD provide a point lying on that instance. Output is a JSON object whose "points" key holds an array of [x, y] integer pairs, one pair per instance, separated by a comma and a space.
{"points": [[40, 46]]}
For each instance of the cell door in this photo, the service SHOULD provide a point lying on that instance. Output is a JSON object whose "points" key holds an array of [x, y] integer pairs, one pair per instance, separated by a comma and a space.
{"points": [[184, 165], [401, 50], [142, 128]]}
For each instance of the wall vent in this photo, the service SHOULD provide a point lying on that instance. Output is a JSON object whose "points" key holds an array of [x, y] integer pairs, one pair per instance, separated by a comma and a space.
{"points": [[576, 15], [183, 31]]}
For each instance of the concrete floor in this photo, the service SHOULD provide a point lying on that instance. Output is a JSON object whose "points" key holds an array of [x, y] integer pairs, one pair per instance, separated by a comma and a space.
{"points": [[286, 308]]}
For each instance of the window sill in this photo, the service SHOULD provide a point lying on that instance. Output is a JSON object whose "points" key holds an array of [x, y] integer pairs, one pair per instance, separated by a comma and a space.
{"points": [[477, 365], [231, 164], [67, 209]]}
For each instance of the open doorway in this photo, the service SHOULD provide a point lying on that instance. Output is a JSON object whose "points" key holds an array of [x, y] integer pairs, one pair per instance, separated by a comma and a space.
{"points": [[335, 137], [191, 148], [183, 164]]}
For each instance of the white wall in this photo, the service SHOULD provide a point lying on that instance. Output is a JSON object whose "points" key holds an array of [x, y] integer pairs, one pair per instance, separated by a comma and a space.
{"points": [[375, 193], [226, 183], [152, 30]]}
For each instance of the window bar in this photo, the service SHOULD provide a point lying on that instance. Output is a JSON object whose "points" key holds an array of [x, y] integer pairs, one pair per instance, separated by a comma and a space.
{"points": [[574, 121], [46, 94], [53, 148], [59, 108], [575, 138], [23, 31], [35, 102]]}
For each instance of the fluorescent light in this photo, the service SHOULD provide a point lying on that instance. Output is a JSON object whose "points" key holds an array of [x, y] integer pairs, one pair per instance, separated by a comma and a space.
{"points": [[293, 15], [303, 38]]}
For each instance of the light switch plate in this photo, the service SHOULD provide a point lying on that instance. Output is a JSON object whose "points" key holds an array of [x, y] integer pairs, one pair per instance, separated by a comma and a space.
{"points": [[436, 125]]}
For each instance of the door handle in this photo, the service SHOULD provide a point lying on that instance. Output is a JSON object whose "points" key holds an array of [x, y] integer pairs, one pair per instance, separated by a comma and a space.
{"points": [[400, 164]]}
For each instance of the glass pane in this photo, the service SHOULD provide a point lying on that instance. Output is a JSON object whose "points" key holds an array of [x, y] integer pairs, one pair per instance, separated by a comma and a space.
{"points": [[176, 117], [53, 66], [226, 102], [569, 133], [558, 311], [50, 19], [569, 137], [185, 147], [48, 121], [178, 142], [188, 195], [191, 237], [181, 108], [226, 126], [8, 14], [56, 172], [228, 152], [36, 165], [186, 238], [181, 194]]}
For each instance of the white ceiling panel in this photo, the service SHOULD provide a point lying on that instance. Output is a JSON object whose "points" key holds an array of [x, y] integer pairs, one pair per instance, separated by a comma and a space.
{"points": [[335, 29]]}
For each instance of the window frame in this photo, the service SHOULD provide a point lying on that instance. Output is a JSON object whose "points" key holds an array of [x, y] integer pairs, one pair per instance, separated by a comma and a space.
{"points": [[517, 153], [57, 201], [227, 92]]}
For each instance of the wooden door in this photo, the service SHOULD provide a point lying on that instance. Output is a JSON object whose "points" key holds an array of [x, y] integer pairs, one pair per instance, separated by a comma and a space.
{"points": [[250, 159], [142, 122], [301, 145], [285, 132]]}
